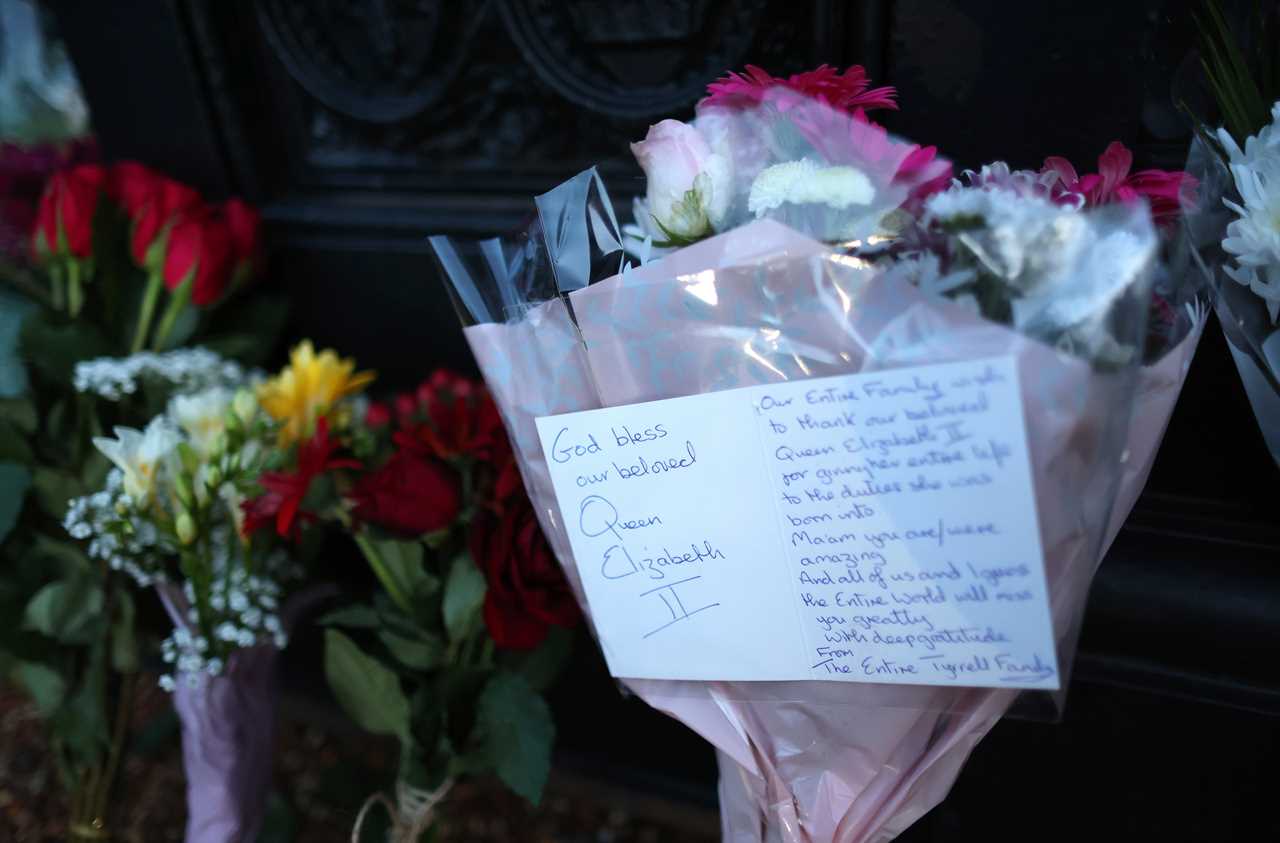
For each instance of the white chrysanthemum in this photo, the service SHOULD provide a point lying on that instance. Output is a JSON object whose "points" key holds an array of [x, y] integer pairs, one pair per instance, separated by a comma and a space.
{"points": [[1260, 150], [1254, 238], [139, 454], [992, 205], [804, 182], [203, 415]]}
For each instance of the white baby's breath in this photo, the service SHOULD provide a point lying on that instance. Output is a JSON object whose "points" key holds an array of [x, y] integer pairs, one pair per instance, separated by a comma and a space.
{"points": [[185, 370]]}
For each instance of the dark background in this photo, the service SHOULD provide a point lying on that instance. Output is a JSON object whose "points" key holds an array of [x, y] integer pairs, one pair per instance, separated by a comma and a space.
{"points": [[361, 127]]}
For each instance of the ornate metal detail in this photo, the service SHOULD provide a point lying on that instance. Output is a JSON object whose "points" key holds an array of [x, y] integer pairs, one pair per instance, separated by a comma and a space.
{"points": [[632, 58], [381, 61]]}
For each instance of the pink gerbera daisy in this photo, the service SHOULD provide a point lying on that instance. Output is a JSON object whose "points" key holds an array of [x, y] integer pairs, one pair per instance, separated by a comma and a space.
{"points": [[1168, 191], [846, 91]]}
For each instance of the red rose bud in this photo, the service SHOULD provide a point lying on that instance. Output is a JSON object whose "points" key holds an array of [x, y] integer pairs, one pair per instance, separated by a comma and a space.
{"points": [[408, 495], [199, 250], [245, 225], [377, 415], [64, 220], [131, 185], [527, 590], [154, 204]]}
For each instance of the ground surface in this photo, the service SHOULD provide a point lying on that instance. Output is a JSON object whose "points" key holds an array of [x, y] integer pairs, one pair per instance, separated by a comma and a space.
{"points": [[322, 776]]}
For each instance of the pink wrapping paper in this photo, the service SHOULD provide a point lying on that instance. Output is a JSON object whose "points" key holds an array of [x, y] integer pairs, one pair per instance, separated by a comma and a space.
{"points": [[804, 762]]}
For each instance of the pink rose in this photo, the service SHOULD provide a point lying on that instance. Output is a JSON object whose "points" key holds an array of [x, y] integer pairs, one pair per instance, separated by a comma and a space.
{"points": [[689, 184]]}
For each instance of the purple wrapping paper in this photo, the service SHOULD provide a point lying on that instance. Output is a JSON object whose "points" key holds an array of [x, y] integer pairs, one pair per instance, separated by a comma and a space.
{"points": [[228, 729], [228, 740]]}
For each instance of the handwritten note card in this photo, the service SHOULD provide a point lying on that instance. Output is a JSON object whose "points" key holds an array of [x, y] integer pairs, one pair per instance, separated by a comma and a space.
{"points": [[871, 528]]}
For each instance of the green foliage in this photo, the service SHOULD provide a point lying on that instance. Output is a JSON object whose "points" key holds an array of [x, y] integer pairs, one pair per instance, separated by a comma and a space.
{"points": [[67, 611], [541, 667], [419, 652], [1242, 70], [44, 685], [366, 690], [463, 596], [54, 488], [356, 615], [14, 482], [427, 671], [53, 345], [13, 374], [516, 732]]}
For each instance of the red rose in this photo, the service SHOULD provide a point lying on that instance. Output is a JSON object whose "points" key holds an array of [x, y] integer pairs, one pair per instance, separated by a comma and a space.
{"points": [[527, 590], [64, 220], [153, 203], [245, 225], [409, 495], [199, 249], [406, 409]]}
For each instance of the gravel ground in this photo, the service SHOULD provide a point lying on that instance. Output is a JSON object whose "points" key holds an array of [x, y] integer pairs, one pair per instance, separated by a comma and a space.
{"points": [[322, 776]]}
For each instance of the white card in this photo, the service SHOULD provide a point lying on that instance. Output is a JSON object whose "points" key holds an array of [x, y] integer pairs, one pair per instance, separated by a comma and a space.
{"points": [[877, 527]]}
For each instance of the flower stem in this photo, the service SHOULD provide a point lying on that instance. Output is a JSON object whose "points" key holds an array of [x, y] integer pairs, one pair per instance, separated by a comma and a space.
{"points": [[55, 286], [147, 311], [124, 706], [177, 301], [75, 291], [384, 576]]}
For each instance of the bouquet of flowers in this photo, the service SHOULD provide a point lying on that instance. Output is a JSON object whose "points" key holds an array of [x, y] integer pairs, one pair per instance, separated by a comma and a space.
{"points": [[71, 302], [785, 237], [474, 615], [179, 511], [1236, 228]]}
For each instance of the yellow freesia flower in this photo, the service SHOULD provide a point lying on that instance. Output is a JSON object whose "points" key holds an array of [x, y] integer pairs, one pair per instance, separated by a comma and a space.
{"points": [[308, 388]]}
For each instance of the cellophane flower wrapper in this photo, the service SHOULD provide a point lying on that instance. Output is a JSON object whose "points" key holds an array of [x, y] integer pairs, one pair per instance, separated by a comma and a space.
{"points": [[1246, 287], [804, 283]]}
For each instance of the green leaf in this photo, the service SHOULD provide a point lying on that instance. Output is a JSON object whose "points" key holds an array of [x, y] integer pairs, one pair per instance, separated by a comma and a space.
{"points": [[65, 610], [516, 731], [54, 489], [365, 689], [20, 413], [422, 652], [356, 615], [403, 563], [14, 446], [67, 556], [54, 347], [463, 596], [124, 641], [541, 666], [45, 686], [13, 375], [14, 482]]}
